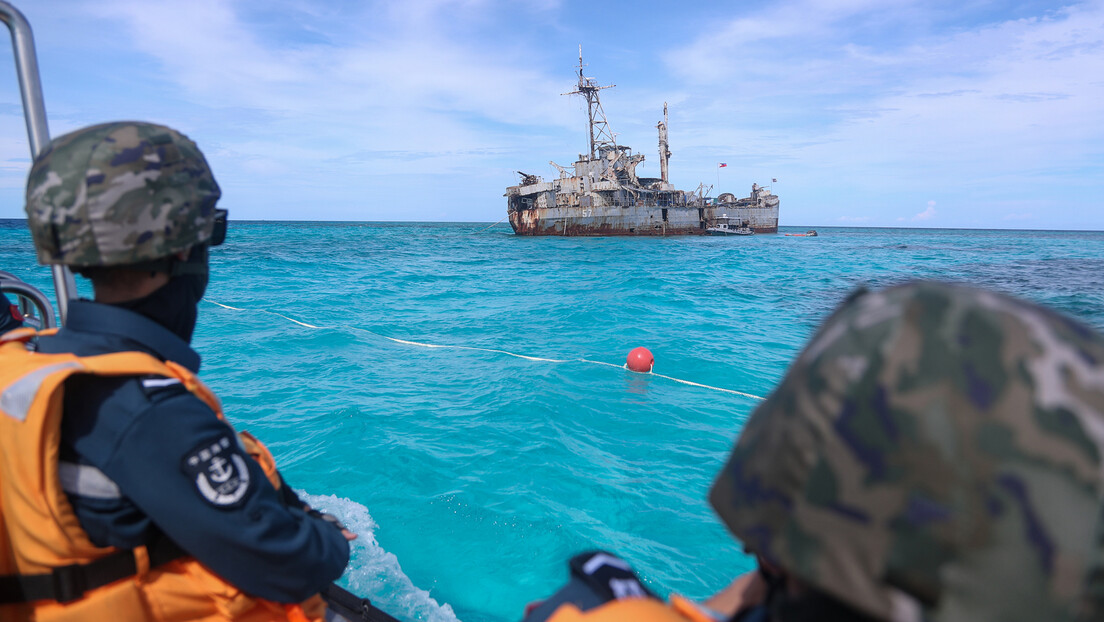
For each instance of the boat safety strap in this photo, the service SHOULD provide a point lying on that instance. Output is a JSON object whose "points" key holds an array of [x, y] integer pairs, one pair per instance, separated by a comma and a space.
{"points": [[69, 583], [352, 607]]}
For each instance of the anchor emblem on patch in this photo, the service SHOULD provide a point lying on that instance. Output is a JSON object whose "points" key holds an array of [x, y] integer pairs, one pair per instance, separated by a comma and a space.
{"points": [[220, 472]]}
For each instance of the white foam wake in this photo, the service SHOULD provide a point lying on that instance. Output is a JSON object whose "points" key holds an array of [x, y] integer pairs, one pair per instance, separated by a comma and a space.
{"points": [[375, 574]]}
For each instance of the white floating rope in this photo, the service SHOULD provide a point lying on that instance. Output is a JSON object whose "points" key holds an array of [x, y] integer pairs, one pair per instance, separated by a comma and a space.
{"points": [[492, 350]]}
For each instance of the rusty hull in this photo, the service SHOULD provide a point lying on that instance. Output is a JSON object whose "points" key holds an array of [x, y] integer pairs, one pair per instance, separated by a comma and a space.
{"points": [[629, 220]]}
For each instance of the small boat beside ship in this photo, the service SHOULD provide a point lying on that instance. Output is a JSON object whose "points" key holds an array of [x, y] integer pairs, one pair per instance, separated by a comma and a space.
{"points": [[725, 226], [603, 195]]}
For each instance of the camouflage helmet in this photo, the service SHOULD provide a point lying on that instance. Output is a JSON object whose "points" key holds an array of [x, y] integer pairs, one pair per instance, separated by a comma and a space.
{"points": [[933, 454], [119, 193]]}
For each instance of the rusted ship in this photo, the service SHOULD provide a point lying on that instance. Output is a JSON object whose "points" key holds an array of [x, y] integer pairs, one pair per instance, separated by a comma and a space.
{"points": [[603, 195]]}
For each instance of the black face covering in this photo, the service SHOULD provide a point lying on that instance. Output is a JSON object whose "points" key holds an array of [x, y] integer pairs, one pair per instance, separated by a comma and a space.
{"points": [[811, 606], [175, 305]]}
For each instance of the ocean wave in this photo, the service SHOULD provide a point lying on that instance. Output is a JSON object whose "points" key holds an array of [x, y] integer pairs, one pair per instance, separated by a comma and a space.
{"points": [[375, 574]]}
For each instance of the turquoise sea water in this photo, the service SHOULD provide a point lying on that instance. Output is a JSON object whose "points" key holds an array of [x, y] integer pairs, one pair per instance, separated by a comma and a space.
{"points": [[471, 474]]}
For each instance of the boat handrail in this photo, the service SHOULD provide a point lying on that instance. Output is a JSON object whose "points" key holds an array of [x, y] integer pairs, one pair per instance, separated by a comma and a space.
{"points": [[33, 304], [38, 134]]}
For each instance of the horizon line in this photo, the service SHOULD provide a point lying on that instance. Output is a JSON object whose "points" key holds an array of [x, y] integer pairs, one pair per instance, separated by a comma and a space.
{"points": [[487, 222]]}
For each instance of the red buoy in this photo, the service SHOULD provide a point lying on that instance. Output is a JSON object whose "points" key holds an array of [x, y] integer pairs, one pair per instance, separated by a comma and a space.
{"points": [[640, 360]]}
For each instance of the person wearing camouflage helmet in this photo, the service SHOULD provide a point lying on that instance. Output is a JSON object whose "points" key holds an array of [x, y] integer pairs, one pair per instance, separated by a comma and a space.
{"points": [[166, 512], [934, 454], [120, 194]]}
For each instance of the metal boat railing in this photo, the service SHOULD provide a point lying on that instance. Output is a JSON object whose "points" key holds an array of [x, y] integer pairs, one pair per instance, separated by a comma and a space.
{"points": [[33, 305], [38, 134]]}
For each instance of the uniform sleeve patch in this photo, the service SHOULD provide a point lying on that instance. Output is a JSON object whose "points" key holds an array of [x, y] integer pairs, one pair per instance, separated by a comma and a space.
{"points": [[220, 472]]}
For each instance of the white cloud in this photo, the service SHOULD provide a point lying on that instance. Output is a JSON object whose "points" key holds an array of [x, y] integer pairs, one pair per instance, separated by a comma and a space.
{"points": [[1000, 110], [403, 75], [862, 106], [305, 94], [927, 214]]}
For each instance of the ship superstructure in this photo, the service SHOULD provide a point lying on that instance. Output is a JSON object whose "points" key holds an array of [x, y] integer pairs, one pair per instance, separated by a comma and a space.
{"points": [[602, 194]]}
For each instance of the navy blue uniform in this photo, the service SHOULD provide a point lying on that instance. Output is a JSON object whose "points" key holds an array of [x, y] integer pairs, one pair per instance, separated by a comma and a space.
{"points": [[143, 458]]}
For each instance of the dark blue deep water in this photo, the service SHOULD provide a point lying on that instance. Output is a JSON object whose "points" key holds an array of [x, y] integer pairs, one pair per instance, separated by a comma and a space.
{"points": [[472, 474]]}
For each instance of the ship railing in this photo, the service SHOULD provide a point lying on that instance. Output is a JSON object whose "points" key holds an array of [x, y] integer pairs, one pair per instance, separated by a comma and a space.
{"points": [[643, 203]]}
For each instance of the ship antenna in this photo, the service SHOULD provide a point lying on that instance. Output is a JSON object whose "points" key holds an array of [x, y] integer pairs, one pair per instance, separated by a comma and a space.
{"points": [[601, 138]]}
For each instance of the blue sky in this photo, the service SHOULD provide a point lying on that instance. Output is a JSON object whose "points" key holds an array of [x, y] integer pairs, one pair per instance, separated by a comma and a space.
{"points": [[868, 112]]}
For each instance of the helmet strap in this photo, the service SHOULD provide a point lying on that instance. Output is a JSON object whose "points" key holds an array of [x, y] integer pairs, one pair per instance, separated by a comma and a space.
{"points": [[195, 263], [164, 264]]}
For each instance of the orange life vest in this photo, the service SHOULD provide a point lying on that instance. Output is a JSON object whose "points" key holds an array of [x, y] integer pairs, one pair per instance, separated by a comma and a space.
{"points": [[39, 531], [678, 609]]}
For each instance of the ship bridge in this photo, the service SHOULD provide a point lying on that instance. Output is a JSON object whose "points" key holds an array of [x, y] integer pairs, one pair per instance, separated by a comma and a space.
{"points": [[615, 163]]}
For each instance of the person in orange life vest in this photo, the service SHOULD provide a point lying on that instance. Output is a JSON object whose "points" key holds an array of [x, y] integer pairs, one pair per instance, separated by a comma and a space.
{"points": [[146, 461]]}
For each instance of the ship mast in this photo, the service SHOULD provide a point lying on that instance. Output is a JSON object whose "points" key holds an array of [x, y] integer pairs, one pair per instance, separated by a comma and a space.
{"points": [[664, 148], [600, 137]]}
